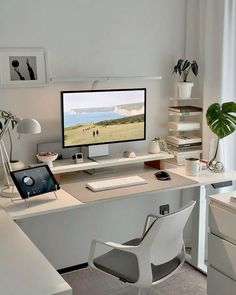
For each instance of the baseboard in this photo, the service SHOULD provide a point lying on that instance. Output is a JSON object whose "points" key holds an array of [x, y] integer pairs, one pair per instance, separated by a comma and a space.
{"points": [[72, 268]]}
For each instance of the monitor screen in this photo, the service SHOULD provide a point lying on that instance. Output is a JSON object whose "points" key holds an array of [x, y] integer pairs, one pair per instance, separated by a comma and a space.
{"points": [[103, 116]]}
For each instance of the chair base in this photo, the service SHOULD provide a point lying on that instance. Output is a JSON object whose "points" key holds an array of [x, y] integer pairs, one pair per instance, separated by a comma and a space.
{"points": [[136, 291]]}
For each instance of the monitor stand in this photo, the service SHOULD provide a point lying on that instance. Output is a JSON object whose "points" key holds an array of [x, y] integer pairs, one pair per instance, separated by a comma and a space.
{"points": [[96, 152], [99, 153]]}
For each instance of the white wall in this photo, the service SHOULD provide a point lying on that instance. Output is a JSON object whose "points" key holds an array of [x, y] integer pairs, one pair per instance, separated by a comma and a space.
{"points": [[93, 38]]}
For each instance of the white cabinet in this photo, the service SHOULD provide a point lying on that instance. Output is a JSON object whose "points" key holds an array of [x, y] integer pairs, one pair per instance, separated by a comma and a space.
{"points": [[221, 277]]}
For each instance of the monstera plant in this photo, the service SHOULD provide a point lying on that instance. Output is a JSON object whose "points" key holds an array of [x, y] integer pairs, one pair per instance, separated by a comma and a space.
{"points": [[222, 121]]}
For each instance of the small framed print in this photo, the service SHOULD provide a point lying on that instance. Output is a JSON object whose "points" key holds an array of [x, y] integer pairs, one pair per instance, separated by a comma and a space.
{"points": [[23, 67]]}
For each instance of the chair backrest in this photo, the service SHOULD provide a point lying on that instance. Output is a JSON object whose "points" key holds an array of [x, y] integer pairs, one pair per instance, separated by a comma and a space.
{"points": [[164, 237]]}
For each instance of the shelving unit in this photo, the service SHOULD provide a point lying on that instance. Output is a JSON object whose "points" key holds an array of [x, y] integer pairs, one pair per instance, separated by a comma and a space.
{"points": [[102, 78], [66, 166], [186, 141]]}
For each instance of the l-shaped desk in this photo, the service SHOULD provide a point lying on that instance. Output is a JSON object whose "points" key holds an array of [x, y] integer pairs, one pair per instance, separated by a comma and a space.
{"points": [[62, 228]]}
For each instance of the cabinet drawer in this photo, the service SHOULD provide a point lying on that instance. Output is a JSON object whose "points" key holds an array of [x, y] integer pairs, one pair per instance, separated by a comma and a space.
{"points": [[219, 284], [222, 222], [222, 256]]}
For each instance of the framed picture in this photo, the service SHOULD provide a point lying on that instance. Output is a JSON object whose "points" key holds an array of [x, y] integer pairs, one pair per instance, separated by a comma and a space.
{"points": [[22, 67]]}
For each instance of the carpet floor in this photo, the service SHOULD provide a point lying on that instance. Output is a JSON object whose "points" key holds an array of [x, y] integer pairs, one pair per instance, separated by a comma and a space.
{"points": [[87, 281]]}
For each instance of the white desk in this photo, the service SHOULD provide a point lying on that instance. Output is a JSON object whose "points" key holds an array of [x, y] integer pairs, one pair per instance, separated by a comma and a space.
{"points": [[40, 205], [23, 269], [62, 229]]}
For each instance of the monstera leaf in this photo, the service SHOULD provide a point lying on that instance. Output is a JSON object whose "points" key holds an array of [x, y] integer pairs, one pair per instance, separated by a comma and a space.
{"points": [[220, 118]]}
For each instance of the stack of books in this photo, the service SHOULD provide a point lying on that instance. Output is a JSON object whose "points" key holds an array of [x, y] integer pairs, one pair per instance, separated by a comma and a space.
{"points": [[184, 141], [185, 110], [183, 126], [180, 156], [184, 146]]}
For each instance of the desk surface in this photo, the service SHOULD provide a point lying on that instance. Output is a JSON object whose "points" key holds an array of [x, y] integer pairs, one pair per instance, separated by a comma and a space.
{"points": [[206, 177], [23, 269], [75, 193], [79, 190], [38, 205]]}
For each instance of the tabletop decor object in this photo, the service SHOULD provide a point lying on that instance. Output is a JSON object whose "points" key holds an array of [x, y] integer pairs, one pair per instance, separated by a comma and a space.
{"points": [[222, 122], [154, 147], [183, 68], [47, 158], [161, 141]]}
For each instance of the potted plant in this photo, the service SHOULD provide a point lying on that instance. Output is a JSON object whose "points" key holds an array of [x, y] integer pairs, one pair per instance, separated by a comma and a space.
{"points": [[222, 122], [183, 68], [154, 146], [4, 117]]}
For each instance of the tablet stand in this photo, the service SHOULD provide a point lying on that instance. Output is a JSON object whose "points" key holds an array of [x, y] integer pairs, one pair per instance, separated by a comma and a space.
{"points": [[26, 200]]}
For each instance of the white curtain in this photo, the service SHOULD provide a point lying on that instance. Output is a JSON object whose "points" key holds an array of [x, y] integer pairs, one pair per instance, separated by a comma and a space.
{"points": [[229, 75], [215, 48]]}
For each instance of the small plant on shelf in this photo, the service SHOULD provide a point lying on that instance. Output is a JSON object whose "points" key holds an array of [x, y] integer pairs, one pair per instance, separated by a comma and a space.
{"points": [[184, 67], [164, 146]]}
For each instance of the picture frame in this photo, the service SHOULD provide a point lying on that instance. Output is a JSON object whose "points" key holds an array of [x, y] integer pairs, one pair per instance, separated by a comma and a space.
{"points": [[23, 67]]}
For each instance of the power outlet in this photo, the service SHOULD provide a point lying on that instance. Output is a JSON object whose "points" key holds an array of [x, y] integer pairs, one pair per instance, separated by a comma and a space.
{"points": [[164, 209]]}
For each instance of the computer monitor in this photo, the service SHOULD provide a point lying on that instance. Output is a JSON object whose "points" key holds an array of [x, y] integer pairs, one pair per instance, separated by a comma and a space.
{"points": [[93, 117]]}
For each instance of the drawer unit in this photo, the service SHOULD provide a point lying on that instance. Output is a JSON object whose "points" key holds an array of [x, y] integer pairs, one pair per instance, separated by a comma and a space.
{"points": [[221, 275], [222, 222], [219, 284], [222, 256]]}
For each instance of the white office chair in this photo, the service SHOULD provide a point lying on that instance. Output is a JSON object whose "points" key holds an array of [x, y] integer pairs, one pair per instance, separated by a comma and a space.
{"points": [[149, 260]]}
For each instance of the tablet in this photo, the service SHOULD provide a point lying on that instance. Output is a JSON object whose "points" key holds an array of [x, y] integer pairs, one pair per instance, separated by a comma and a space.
{"points": [[34, 181]]}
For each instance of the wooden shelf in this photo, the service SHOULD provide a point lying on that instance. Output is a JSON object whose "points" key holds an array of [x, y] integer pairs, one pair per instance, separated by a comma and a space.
{"points": [[179, 130], [187, 114], [184, 99], [66, 166], [105, 78]]}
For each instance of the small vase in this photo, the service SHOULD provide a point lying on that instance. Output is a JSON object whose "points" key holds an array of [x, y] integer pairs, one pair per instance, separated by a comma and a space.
{"points": [[184, 89], [154, 147], [214, 165]]}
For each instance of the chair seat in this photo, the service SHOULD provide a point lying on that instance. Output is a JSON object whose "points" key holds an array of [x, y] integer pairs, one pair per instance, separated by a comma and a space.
{"points": [[124, 265], [120, 264]]}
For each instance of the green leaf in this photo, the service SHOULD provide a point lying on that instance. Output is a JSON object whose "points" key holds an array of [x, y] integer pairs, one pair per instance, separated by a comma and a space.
{"points": [[220, 119], [194, 67], [185, 65], [229, 107]]}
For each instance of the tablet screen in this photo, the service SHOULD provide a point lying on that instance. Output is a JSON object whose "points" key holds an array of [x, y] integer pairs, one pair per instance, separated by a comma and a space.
{"points": [[34, 181]]}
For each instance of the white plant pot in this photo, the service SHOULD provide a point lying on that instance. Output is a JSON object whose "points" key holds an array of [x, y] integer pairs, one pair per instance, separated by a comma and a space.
{"points": [[184, 89], [154, 147]]}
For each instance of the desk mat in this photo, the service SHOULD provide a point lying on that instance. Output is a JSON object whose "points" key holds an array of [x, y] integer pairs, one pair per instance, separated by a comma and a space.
{"points": [[82, 193]]}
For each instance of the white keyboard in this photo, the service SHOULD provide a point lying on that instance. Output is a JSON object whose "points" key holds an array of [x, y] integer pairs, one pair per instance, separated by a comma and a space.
{"points": [[103, 185]]}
